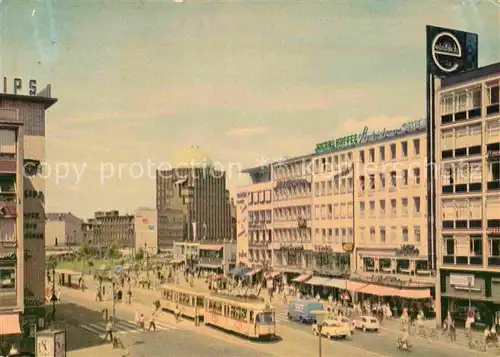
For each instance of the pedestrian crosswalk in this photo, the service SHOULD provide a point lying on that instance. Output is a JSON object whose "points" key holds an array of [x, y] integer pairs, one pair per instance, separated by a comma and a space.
{"points": [[123, 327], [281, 316]]}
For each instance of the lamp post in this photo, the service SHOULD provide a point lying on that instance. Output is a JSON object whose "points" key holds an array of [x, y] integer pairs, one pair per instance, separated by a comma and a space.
{"points": [[54, 297], [320, 319]]}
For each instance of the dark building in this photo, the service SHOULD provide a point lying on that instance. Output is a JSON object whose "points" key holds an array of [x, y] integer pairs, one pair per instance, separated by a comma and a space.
{"points": [[202, 190]]}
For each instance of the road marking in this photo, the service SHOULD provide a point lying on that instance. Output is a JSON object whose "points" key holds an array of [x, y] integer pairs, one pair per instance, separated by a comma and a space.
{"points": [[123, 327]]}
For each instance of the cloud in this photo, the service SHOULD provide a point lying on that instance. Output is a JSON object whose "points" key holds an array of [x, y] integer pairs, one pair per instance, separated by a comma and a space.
{"points": [[247, 132]]}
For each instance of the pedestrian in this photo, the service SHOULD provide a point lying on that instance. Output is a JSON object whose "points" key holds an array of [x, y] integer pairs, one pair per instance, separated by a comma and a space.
{"points": [[129, 296], [177, 313], [141, 322], [109, 330], [59, 294], [152, 322]]}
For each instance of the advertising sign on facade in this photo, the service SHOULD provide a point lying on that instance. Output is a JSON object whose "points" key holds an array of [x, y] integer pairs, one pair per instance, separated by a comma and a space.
{"points": [[366, 136], [450, 51], [463, 280]]}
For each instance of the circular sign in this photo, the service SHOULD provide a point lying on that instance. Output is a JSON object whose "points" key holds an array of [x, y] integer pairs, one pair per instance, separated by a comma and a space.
{"points": [[446, 52], [347, 247]]}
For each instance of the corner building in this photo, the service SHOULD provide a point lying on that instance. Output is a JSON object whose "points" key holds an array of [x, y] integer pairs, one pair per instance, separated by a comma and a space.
{"points": [[350, 217], [467, 139], [23, 182]]}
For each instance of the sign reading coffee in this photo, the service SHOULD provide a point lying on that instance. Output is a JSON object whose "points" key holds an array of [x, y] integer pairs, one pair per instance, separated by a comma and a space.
{"points": [[450, 51]]}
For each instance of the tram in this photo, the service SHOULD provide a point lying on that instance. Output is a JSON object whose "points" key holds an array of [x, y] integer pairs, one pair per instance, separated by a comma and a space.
{"points": [[191, 303], [254, 320]]}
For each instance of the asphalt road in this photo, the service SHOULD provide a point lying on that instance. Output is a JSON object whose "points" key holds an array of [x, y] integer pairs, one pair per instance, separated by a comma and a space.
{"points": [[297, 340]]}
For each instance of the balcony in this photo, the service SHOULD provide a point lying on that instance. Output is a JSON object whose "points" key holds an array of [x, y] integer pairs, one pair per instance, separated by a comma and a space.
{"points": [[8, 164], [210, 261]]}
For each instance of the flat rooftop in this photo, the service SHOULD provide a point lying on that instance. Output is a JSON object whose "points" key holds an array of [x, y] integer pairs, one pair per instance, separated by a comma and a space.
{"points": [[471, 75], [48, 102]]}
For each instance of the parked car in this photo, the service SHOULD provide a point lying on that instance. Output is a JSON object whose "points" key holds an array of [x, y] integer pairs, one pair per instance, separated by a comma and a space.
{"points": [[332, 328], [367, 323], [301, 310], [345, 320]]}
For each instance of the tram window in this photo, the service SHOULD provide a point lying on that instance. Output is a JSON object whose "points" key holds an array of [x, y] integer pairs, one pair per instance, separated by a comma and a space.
{"points": [[200, 301], [264, 318], [251, 316]]}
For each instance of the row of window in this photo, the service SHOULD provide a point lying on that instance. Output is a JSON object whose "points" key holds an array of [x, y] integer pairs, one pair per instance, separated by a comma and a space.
{"points": [[333, 235], [293, 235], [393, 150], [292, 170], [301, 190], [464, 245], [31, 215], [335, 162], [33, 235], [292, 213], [393, 208], [468, 172], [33, 194], [259, 216], [259, 197], [335, 210], [373, 182], [382, 236]]}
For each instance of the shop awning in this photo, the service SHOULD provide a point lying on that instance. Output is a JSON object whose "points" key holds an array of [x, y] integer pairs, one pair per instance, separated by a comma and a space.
{"points": [[9, 324], [336, 283], [253, 272], [414, 293], [355, 286], [301, 278], [378, 290], [273, 274], [211, 247], [316, 280]]}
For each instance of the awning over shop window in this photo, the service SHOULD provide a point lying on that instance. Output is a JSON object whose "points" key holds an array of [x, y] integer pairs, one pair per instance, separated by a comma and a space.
{"points": [[301, 278], [355, 286], [253, 272], [273, 274], [211, 247], [316, 280], [9, 324], [336, 283], [414, 293], [378, 290]]}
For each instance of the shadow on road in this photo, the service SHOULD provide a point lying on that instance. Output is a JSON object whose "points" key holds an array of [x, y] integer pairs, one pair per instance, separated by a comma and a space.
{"points": [[69, 317]]}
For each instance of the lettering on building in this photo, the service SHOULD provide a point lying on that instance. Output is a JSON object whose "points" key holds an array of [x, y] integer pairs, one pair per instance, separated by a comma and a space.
{"points": [[366, 136]]}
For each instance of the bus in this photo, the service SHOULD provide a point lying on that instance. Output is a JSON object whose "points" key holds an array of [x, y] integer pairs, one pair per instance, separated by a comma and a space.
{"points": [[191, 303], [254, 320]]}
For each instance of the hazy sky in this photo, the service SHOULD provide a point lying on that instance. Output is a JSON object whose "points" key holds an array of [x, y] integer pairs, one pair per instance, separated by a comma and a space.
{"points": [[139, 81]]}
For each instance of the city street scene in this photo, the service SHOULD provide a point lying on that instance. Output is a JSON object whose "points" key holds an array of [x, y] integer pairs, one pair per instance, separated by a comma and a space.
{"points": [[256, 178]]}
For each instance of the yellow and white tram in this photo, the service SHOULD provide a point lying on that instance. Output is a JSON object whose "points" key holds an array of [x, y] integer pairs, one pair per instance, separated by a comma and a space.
{"points": [[190, 303], [255, 320]]}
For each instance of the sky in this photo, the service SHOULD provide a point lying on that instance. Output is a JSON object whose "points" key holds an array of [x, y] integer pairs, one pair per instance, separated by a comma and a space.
{"points": [[246, 81]]}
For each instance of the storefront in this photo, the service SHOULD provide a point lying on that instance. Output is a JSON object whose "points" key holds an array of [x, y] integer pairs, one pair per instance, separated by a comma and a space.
{"points": [[480, 290], [10, 331], [32, 320]]}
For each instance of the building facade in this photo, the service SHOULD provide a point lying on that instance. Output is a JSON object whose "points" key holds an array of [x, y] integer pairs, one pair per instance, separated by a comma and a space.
{"points": [[146, 230], [202, 188], [107, 228], [63, 230], [356, 207], [213, 258], [25, 115], [467, 140]]}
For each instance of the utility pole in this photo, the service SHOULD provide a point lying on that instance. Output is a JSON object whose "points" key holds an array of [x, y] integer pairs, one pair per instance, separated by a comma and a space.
{"points": [[113, 296], [54, 297]]}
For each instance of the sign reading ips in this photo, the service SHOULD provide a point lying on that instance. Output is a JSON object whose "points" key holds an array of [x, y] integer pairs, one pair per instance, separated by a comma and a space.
{"points": [[17, 86]]}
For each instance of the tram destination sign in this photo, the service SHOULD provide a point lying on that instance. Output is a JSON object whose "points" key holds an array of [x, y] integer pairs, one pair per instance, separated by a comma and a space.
{"points": [[366, 137]]}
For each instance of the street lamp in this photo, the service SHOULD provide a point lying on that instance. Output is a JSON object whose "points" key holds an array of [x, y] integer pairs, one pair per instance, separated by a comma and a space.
{"points": [[53, 297], [320, 316]]}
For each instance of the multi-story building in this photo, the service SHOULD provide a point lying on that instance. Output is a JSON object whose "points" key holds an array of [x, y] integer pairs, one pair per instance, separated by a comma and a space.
{"points": [[107, 228], [12, 260], [146, 230], [203, 191], [63, 230], [355, 206], [171, 222], [25, 118], [215, 258], [467, 142]]}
